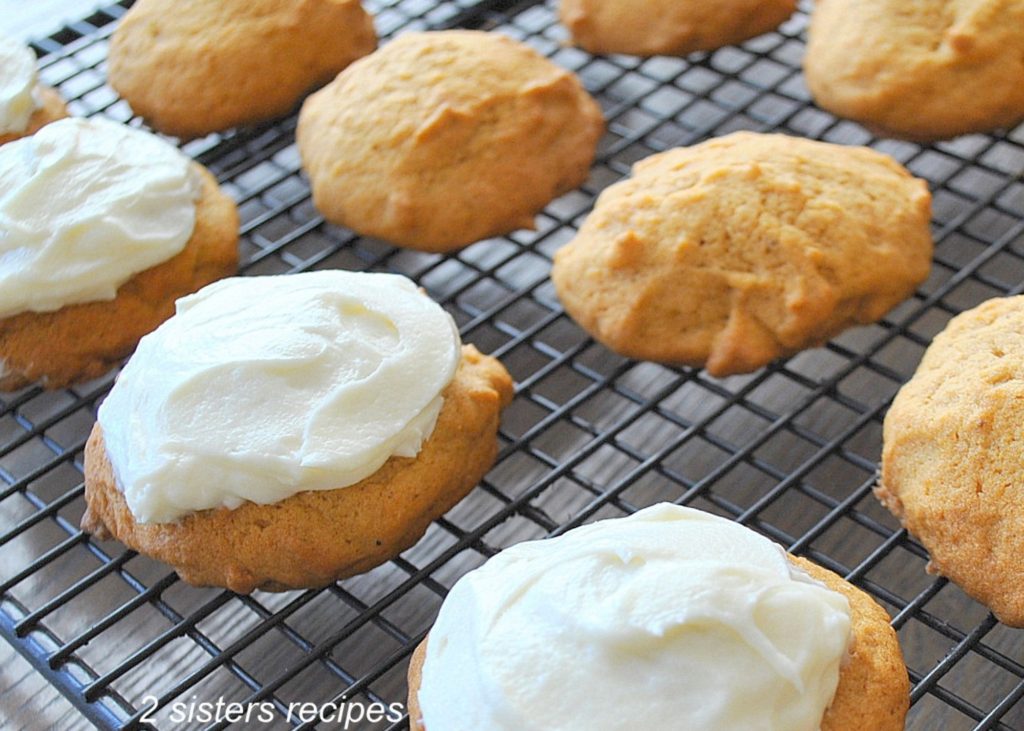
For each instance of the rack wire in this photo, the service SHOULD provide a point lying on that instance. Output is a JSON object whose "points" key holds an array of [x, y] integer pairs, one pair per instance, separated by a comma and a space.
{"points": [[790, 450]]}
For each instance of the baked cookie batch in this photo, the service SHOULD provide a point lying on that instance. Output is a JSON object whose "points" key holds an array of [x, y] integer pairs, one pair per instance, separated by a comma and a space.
{"points": [[282, 433]]}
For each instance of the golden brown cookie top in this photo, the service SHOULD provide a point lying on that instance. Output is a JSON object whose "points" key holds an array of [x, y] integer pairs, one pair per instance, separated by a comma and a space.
{"points": [[673, 27], [953, 459], [440, 139], [197, 66], [745, 248], [925, 70]]}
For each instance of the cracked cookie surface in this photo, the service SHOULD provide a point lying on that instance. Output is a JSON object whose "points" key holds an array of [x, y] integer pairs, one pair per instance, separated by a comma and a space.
{"points": [[744, 249], [953, 458], [191, 68], [924, 70], [444, 138]]}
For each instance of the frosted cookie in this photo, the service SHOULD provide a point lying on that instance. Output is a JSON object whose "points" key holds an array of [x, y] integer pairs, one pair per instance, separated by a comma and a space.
{"points": [[671, 618], [925, 70], [190, 68], [102, 228], [953, 460], [442, 139], [286, 432], [670, 27], [746, 248], [25, 104]]}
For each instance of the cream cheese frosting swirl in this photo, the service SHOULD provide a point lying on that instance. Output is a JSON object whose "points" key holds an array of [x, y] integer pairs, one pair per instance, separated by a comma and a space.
{"points": [[670, 618], [262, 387], [84, 206], [17, 85]]}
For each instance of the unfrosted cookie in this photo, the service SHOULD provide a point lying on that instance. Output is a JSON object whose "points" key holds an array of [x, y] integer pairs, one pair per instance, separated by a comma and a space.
{"points": [[200, 66], [441, 139], [953, 459], [25, 104], [642, 626], [745, 248], [286, 432], [925, 70], [101, 266], [670, 27]]}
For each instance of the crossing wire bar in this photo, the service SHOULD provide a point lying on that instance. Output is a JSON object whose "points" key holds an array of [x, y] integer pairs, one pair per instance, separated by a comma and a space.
{"points": [[790, 451]]}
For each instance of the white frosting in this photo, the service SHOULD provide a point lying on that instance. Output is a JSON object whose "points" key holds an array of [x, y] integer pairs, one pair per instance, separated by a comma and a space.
{"points": [[17, 86], [261, 387], [670, 618], [84, 206]]}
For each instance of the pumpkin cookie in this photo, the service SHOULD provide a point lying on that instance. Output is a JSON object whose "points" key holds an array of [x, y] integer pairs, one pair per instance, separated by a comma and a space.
{"points": [[285, 432], [925, 70], [669, 27], [200, 66], [744, 249], [25, 104], [442, 139], [671, 618], [88, 270], [953, 460]]}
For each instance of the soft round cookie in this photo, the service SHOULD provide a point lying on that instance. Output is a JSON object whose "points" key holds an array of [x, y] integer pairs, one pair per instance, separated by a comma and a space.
{"points": [[315, 538], [441, 139], [58, 344], [377, 423], [195, 67], [669, 27], [745, 248], [924, 70], [873, 690], [952, 458], [83, 341]]}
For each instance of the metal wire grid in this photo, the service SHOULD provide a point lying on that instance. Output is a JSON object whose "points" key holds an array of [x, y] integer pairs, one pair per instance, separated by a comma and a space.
{"points": [[790, 450]]}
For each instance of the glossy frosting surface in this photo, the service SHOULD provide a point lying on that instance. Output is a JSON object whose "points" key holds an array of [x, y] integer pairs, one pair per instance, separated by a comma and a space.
{"points": [[84, 206], [670, 618], [262, 387]]}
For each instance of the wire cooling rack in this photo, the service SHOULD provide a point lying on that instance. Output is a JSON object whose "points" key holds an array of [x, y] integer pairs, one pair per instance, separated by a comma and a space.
{"points": [[790, 450]]}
